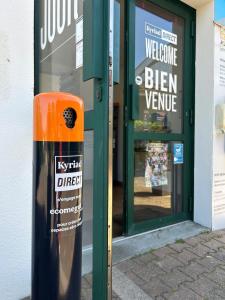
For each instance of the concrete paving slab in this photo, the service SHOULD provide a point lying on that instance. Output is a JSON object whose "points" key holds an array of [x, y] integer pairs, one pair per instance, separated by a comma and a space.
{"points": [[184, 273], [126, 289], [124, 248]]}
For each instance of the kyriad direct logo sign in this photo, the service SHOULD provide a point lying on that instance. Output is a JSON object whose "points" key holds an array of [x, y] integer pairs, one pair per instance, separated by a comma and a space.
{"points": [[63, 166], [160, 33], [68, 173]]}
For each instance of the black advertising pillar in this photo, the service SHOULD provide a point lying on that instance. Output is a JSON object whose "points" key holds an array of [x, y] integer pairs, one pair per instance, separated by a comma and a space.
{"points": [[57, 197]]}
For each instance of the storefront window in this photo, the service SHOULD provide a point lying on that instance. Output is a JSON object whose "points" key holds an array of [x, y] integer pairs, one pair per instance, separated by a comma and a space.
{"points": [[88, 188], [158, 182], [61, 49], [159, 47], [60, 66]]}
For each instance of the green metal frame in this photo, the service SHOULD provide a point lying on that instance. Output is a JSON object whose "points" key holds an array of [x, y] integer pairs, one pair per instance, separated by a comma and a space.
{"points": [[187, 137], [100, 205], [93, 40], [96, 120]]}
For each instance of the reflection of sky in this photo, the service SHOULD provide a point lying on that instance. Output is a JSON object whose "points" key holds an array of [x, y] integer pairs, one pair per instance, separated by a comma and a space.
{"points": [[141, 17], [219, 9]]}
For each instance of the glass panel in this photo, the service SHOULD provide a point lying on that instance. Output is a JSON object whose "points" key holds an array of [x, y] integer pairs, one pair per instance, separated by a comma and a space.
{"points": [[61, 49], [159, 47], [87, 215], [88, 188], [158, 173], [118, 122]]}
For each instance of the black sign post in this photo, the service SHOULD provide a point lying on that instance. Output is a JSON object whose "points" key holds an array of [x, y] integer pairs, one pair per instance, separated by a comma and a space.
{"points": [[57, 197]]}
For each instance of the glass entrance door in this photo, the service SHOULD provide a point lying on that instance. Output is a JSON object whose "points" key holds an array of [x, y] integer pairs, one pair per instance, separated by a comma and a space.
{"points": [[160, 108]]}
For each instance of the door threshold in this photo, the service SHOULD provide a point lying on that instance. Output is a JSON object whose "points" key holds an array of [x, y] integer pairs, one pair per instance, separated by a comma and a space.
{"points": [[127, 247]]}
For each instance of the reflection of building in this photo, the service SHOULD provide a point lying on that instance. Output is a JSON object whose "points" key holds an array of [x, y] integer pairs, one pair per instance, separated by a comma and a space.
{"points": [[169, 122]]}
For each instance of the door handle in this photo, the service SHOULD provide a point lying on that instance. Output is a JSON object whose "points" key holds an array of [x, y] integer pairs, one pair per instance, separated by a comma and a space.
{"points": [[191, 117], [134, 96]]}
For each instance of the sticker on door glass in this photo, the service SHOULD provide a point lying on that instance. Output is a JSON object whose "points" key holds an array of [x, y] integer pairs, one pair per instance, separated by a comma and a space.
{"points": [[79, 30], [178, 154], [161, 33], [156, 165], [79, 43], [79, 55]]}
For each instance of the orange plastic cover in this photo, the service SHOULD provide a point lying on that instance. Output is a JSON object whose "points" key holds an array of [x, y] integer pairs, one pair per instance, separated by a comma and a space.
{"points": [[49, 121]]}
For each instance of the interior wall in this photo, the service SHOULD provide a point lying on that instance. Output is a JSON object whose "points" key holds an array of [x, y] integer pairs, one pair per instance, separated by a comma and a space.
{"points": [[119, 98], [16, 98]]}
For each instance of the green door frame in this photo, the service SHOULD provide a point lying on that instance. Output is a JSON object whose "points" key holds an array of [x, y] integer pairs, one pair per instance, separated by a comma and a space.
{"points": [[96, 120], [187, 137]]}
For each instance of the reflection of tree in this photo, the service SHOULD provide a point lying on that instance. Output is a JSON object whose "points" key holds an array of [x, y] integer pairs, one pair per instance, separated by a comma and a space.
{"points": [[157, 122], [153, 64]]}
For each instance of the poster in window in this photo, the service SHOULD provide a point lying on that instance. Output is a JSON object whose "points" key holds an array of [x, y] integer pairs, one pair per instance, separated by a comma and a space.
{"points": [[156, 165]]}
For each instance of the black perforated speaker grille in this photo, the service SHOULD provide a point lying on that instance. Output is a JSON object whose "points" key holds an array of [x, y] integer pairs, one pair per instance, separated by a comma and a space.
{"points": [[70, 117]]}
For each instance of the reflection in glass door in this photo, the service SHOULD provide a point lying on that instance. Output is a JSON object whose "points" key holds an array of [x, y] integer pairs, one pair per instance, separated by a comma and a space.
{"points": [[159, 126], [159, 48], [158, 181]]}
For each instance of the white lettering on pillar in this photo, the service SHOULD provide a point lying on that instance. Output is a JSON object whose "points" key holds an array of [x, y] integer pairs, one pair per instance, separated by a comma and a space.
{"points": [[51, 20], [44, 28], [68, 12], [57, 14], [75, 9], [61, 11]]}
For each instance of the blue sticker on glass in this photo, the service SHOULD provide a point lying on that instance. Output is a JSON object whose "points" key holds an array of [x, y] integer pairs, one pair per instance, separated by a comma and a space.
{"points": [[178, 154]]}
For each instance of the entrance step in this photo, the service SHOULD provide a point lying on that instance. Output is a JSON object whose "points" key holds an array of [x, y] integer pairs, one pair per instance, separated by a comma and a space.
{"points": [[127, 247]]}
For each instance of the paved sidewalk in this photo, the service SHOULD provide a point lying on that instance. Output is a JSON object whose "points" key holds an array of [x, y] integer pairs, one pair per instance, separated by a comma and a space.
{"points": [[188, 269]]}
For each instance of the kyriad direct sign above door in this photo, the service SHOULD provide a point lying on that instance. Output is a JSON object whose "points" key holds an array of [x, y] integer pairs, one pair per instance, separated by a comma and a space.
{"points": [[219, 12]]}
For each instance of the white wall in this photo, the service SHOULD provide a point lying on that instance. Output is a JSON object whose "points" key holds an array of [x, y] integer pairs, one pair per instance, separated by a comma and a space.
{"points": [[209, 206], [16, 94], [204, 115], [219, 139], [196, 3], [204, 111]]}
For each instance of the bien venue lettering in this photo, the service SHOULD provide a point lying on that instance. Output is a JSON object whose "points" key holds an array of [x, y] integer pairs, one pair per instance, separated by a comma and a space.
{"points": [[160, 90]]}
